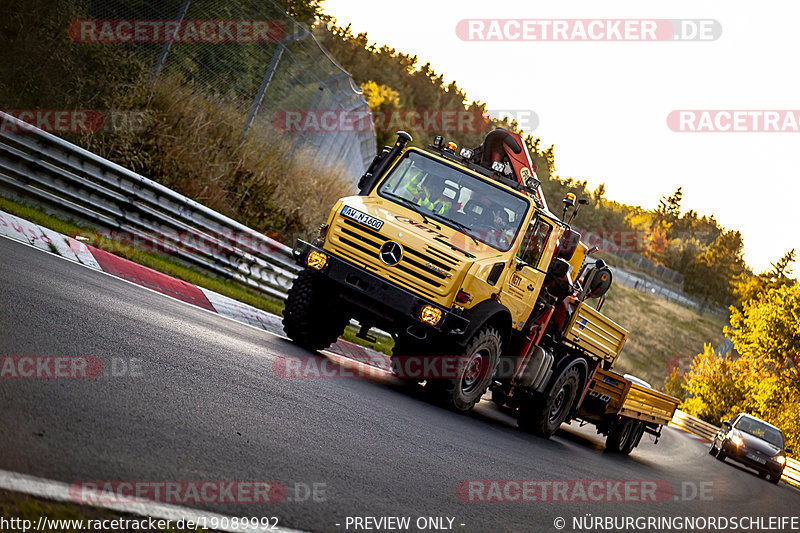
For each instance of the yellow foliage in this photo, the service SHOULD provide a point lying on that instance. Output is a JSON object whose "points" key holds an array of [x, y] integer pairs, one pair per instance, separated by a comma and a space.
{"points": [[380, 96], [763, 380]]}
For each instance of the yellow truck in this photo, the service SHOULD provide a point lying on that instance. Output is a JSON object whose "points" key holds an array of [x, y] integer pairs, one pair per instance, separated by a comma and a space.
{"points": [[457, 255]]}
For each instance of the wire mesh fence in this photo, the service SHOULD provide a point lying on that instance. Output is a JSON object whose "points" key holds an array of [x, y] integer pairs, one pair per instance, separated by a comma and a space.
{"points": [[251, 55]]}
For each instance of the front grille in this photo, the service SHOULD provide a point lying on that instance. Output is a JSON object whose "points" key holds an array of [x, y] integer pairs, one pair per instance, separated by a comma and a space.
{"points": [[413, 270]]}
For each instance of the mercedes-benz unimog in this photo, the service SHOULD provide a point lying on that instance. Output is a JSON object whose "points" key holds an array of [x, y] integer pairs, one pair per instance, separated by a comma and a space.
{"points": [[457, 255]]}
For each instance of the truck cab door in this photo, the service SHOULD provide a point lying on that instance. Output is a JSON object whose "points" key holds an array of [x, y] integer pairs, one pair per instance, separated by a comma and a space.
{"points": [[524, 281], [520, 291]]}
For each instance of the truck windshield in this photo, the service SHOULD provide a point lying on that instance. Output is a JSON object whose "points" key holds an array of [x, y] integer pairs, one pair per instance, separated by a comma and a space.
{"points": [[460, 200]]}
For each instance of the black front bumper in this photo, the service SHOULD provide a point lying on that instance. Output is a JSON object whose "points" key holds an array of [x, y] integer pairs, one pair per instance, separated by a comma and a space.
{"points": [[384, 300], [739, 454]]}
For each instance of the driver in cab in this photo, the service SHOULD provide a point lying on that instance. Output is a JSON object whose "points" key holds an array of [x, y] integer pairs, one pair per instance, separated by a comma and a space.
{"points": [[430, 194]]}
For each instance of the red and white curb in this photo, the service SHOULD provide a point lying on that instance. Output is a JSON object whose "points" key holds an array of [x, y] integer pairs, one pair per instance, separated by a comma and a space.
{"points": [[73, 250]]}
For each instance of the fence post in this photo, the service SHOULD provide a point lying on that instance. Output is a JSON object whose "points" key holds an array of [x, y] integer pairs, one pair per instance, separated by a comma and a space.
{"points": [[311, 108], [273, 65], [162, 58]]}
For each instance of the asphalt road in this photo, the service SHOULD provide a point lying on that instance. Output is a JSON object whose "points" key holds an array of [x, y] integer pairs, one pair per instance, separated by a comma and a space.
{"points": [[205, 404]]}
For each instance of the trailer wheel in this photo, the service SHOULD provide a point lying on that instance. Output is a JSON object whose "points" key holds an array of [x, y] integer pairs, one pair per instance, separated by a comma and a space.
{"points": [[543, 416], [633, 439], [310, 316], [620, 436], [475, 367]]}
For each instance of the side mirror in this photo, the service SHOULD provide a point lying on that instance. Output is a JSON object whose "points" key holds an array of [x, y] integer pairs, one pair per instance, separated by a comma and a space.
{"points": [[726, 425], [788, 450]]}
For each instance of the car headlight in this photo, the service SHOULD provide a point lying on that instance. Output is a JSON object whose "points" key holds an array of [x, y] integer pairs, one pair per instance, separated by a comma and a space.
{"points": [[316, 260], [781, 459], [430, 314], [737, 440]]}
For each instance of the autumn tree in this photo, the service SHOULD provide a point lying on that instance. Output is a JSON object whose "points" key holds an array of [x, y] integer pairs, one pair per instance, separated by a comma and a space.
{"points": [[710, 276], [747, 286], [668, 211], [763, 379], [384, 100]]}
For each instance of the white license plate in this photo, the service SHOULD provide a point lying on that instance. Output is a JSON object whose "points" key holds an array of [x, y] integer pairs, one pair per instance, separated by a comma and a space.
{"points": [[757, 458], [362, 218]]}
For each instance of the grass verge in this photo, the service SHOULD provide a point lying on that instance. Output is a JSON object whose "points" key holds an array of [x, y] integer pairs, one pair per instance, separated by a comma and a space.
{"points": [[659, 331]]}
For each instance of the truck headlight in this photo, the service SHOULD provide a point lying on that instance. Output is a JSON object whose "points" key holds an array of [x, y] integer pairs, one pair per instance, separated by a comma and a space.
{"points": [[316, 260], [430, 314], [781, 459], [737, 440]]}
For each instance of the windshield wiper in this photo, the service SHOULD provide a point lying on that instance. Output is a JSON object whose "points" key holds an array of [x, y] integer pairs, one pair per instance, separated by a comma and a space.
{"points": [[411, 205], [466, 230]]}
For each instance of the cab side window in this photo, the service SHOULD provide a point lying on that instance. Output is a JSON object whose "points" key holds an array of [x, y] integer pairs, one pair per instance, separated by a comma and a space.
{"points": [[535, 242]]}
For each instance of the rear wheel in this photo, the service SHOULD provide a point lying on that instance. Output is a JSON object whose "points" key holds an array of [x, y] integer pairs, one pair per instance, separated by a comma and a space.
{"points": [[312, 317], [620, 434], [633, 439], [543, 416], [474, 370]]}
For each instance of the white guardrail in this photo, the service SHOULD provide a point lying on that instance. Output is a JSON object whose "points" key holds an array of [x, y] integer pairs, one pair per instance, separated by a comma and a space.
{"points": [[791, 472], [51, 172]]}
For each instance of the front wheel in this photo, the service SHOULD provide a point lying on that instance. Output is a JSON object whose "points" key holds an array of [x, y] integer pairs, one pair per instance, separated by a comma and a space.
{"points": [[311, 316], [721, 452], [713, 450], [474, 370], [543, 416]]}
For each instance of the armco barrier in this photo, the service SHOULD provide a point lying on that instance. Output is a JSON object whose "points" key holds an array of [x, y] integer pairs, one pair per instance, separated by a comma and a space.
{"points": [[50, 171], [791, 473]]}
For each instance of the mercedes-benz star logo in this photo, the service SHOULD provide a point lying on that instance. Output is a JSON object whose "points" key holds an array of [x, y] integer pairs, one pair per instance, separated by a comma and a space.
{"points": [[391, 253]]}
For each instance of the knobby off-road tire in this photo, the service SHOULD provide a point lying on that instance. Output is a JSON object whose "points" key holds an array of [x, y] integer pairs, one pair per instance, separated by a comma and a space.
{"points": [[475, 368], [312, 317], [543, 416]]}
